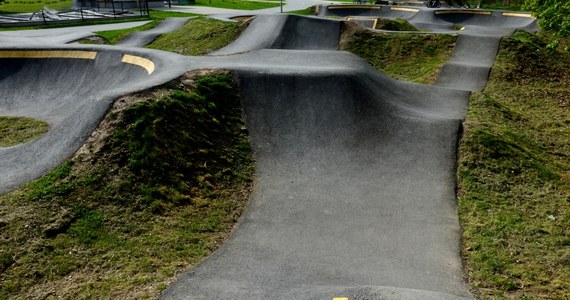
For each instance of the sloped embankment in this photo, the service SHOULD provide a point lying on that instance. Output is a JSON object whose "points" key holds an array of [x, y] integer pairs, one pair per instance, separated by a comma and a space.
{"points": [[156, 188], [513, 175]]}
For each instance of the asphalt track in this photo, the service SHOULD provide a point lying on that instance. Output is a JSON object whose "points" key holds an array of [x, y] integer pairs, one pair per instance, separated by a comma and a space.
{"points": [[355, 182]]}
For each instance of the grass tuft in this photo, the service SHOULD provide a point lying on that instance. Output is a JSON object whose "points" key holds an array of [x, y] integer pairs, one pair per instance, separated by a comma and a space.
{"points": [[18, 130]]}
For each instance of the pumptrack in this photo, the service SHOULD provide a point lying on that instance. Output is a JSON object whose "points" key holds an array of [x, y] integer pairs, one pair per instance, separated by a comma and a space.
{"points": [[355, 190]]}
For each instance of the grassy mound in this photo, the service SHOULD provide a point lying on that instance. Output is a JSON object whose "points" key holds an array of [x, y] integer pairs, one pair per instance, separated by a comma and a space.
{"points": [[114, 36], [18, 130], [157, 188], [199, 36], [411, 57], [397, 24], [514, 180], [309, 11]]}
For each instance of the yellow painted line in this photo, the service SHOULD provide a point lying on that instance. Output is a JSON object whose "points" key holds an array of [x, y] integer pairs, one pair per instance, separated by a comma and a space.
{"points": [[507, 14], [47, 54], [139, 61], [404, 9], [465, 12], [353, 7], [340, 298]]}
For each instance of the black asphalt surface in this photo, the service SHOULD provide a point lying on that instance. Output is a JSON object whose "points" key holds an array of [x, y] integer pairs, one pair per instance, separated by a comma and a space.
{"points": [[355, 182]]}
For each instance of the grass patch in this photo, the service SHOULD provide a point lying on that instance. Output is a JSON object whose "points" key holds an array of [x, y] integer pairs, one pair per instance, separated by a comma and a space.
{"points": [[156, 190], [114, 36], [28, 6], [237, 4], [513, 175], [199, 36], [79, 23], [410, 57], [309, 11], [18, 130], [156, 16], [397, 24], [514, 5]]}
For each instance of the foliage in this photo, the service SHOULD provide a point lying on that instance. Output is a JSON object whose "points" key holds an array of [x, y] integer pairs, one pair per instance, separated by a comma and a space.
{"points": [[553, 15], [514, 186], [17, 130], [159, 190]]}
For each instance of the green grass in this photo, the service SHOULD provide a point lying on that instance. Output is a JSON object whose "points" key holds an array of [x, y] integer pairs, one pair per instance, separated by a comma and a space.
{"points": [[18, 130], [198, 36], [156, 16], [397, 24], [309, 11], [237, 4], [156, 194], [79, 23], [514, 180], [515, 5], [411, 57], [28, 6], [114, 36]]}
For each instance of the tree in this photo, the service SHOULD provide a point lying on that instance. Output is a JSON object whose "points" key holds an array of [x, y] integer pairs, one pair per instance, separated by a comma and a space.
{"points": [[553, 15]]}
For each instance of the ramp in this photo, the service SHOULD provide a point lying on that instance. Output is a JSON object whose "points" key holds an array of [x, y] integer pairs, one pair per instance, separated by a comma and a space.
{"points": [[286, 32], [355, 186], [71, 90]]}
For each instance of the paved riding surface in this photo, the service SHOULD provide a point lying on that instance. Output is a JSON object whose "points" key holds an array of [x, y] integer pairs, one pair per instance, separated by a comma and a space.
{"points": [[355, 190], [355, 186], [72, 96]]}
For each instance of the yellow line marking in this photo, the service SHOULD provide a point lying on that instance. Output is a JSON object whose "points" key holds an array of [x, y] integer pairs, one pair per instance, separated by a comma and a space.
{"points": [[340, 298], [507, 14], [467, 12], [47, 54], [139, 61], [404, 9], [353, 6]]}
